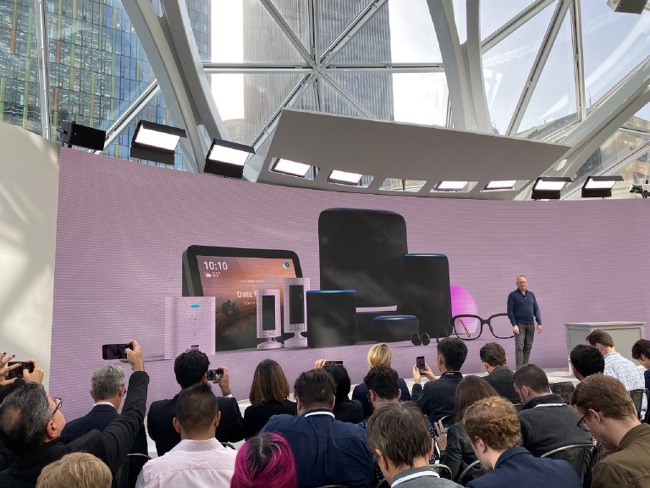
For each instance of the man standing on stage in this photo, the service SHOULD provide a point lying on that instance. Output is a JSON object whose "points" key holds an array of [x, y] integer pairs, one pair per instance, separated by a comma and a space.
{"points": [[523, 311]]}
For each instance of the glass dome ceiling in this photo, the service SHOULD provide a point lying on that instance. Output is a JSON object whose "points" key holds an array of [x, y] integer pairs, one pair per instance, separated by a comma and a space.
{"points": [[566, 71]]}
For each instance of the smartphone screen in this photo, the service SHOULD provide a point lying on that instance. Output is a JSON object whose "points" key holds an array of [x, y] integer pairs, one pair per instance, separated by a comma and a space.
{"points": [[18, 372], [331, 363], [419, 361], [114, 351]]}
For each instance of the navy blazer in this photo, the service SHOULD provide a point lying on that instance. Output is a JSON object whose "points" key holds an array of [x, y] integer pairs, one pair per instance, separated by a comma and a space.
{"points": [[327, 451], [99, 418], [162, 432], [518, 467], [436, 399], [501, 380]]}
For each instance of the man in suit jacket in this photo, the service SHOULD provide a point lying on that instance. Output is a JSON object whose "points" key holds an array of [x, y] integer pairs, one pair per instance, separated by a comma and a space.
{"points": [[327, 451], [107, 390], [436, 398], [190, 368], [31, 423], [493, 427], [493, 357]]}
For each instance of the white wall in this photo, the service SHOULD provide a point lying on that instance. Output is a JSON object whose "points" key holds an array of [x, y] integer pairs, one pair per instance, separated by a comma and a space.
{"points": [[29, 181]]}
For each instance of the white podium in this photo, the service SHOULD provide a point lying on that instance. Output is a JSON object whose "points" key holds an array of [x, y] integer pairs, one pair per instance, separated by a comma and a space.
{"points": [[625, 334]]}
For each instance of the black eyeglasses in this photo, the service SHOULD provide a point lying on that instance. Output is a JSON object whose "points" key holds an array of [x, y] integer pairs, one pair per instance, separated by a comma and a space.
{"points": [[581, 423], [57, 405], [469, 327]]}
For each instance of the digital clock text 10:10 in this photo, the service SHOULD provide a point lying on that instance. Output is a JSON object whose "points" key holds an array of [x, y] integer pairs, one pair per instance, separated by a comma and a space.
{"points": [[215, 266]]}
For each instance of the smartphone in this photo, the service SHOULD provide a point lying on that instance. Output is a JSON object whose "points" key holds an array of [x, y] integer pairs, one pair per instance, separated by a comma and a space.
{"points": [[115, 351], [332, 363], [18, 372], [419, 361], [215, 374]]}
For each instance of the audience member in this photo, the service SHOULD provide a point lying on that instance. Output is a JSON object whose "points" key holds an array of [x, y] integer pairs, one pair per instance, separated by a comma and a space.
{"points": [[190, 368], [641, 352], [617, 366], [493, 357], [269, 396], [378, 355], [457, 448], [436, 398], [107, 390], [494, 429], [8, 385], [546, 421], [31, 423], [265, 461], [383, 388], [399, 440], [327, 451], [586, 360], [606, 408], [76, 470], [345, 410], [198, 460]]}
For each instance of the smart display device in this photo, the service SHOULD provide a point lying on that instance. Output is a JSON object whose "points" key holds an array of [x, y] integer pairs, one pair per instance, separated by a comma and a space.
{"points": [[233, 276]]}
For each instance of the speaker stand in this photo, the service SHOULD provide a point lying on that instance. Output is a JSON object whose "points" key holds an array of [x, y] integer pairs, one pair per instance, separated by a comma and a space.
{"points": [[270, 343], [298, 340]]}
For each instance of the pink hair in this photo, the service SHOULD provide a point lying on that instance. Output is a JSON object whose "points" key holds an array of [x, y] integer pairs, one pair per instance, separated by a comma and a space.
{"points": [[265, 461]]}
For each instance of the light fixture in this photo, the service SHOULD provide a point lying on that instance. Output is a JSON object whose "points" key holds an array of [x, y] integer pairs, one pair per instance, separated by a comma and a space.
{"points": [[500, 185], [344, 178], [599, 186], [155, 142], [549, 187], [227, 158], [451, 185], [74, 134], [292, 168]]}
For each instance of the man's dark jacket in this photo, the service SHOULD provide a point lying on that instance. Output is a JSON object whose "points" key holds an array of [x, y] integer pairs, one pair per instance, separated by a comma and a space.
{"points": [[99, 418], [162, 432], [501, 380], [111, 446]]}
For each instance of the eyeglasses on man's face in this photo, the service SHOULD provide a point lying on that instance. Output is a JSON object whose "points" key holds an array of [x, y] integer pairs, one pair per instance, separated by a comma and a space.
{"points": [[469, 327], [582, 424], [57, 405]]}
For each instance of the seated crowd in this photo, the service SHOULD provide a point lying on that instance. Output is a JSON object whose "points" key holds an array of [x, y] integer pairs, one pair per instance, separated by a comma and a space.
{"points": [[503, 429]]}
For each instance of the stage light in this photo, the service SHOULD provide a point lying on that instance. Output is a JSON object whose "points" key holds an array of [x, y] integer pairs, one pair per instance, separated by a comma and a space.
{"points": [[451, 185], [155, 142], [599, 186], [74, 134], [344, 178], [291, 168], [227, 158], [500, 185], [549, 187]]}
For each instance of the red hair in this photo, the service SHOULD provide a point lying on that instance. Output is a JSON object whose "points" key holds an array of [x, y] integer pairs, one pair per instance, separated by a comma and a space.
{"points": [[265, 461]]}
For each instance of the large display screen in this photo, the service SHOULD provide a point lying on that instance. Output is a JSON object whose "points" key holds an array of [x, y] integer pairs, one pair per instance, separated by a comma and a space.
{"points": [[234, 282]]}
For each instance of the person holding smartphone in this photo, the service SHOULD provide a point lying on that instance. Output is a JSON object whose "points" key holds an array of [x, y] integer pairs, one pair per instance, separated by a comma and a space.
{"points": [[31, 422]]}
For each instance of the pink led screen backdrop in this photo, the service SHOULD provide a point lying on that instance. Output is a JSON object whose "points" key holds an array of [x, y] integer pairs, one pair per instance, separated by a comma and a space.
{"points": [[122, 229]]}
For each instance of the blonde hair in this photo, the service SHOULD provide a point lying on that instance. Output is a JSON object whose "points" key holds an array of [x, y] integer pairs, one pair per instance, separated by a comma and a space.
{"points": [[379, 355], [76, 470]]}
